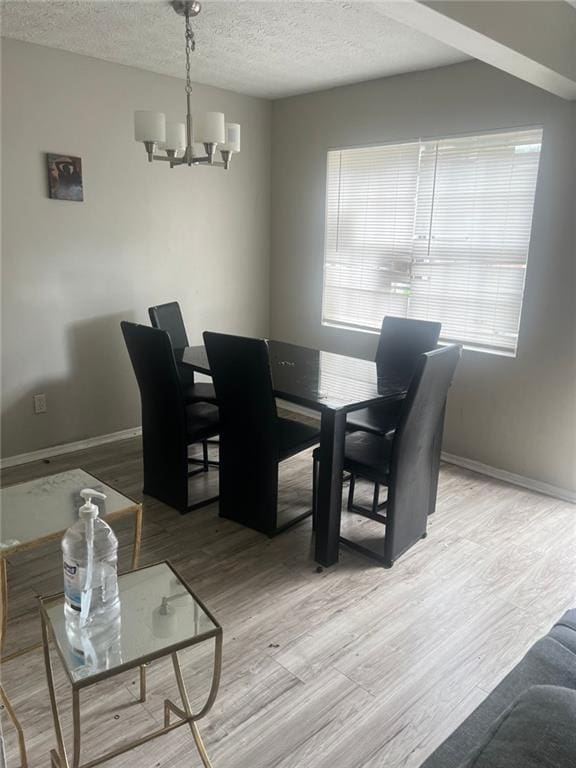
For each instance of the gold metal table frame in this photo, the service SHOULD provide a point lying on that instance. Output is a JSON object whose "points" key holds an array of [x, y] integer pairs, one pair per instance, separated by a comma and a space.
{"points": [[133, 509], [185, 715]]}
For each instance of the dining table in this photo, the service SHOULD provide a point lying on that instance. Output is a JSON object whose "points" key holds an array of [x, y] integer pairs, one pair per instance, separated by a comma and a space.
{"points": [[332, 385]]}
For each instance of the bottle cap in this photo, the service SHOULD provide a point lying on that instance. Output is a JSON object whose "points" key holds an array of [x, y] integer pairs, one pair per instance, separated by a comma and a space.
{"points": [[89, 509]]}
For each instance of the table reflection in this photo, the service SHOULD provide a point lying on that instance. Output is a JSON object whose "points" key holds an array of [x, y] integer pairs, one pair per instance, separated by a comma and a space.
{"points": [[143, 626]]}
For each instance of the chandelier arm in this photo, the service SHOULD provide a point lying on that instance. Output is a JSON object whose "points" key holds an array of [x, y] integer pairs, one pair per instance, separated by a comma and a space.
{"points": [[197, 160]]}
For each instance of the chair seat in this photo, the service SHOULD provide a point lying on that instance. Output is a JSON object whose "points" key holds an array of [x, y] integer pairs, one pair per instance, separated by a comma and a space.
{"points": [[366, 455], [202, 421], [200, 392], [376, 419], [295, 436]]}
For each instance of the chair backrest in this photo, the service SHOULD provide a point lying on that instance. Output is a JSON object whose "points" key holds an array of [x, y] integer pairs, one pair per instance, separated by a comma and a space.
{"points": [[168, 317], [403, 340], [164, 431], [414, 471], [154, 365], [240, 369]]}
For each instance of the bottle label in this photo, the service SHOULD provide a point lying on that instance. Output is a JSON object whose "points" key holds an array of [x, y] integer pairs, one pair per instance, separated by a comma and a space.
{"points": [[73, 585]]}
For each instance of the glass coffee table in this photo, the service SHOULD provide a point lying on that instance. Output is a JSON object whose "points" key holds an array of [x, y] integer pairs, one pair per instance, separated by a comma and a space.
{"points": [[39, 511], [160, 616]]}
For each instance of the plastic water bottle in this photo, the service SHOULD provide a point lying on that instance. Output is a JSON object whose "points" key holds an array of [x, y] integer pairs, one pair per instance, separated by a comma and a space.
{"points": [[90, 553]]}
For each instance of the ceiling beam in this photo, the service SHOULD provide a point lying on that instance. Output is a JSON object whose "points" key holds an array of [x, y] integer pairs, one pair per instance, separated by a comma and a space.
{"points": [[534, 41]]}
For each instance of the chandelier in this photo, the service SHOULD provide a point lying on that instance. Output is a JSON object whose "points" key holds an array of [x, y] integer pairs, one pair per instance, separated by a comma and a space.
{"points": [[176, 139]]}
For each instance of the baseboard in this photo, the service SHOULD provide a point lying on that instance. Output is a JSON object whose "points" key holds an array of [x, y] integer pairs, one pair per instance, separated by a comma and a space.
{"points": [[59, 450], [475, 466], [511, 477]]}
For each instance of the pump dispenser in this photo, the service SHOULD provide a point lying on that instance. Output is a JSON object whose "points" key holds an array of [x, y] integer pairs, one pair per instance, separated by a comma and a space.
{"points": [[90, 553], [89, 509]]}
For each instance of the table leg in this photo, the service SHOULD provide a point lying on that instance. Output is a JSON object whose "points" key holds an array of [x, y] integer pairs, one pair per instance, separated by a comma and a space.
{"points": [[76, 723], [59, 759], [209, 702], [143, 684], [332, 434], [16, 723], [3, 696], [137, 537]]}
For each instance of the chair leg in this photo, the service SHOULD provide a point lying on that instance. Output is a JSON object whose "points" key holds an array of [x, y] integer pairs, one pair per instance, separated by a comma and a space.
{"points": [[351, 491], [290, 524], [200, 504], [193, 472], [314, 490], [384, 560], [205, 462], [372, 512], [375, 498]]}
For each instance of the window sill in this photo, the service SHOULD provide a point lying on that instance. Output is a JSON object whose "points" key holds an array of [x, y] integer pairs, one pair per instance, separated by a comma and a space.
{"points": [[443, 342]]}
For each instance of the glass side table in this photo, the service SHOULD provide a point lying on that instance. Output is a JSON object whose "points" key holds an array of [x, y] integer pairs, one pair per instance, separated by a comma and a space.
{"points": [[160, 616], [39, 511]]}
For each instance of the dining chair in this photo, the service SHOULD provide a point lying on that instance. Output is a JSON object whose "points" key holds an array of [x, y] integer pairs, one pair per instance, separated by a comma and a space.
{"points": [[402, 341], [169, 424], [168, 317], [254, 439], [407, 464]]}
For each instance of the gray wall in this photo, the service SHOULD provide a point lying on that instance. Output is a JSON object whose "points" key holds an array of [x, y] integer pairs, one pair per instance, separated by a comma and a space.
{"points": [[518, 414], [145, 234]]}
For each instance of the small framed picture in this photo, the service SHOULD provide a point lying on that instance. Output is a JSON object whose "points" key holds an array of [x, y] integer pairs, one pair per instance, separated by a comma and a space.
{"points": [[65, 177]]}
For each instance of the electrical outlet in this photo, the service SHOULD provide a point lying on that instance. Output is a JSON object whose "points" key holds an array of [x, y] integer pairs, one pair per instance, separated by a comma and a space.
{"points": [[40, 403]]}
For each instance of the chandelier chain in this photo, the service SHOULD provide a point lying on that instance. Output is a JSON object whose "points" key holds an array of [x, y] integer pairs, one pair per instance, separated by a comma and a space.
{"points": [[190, 46]]}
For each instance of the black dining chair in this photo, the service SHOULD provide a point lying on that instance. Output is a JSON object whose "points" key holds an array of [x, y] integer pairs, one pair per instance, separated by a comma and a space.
{"points": [[402, 341], [169, 424], [408, 463], [168, 317], [253, 438]]}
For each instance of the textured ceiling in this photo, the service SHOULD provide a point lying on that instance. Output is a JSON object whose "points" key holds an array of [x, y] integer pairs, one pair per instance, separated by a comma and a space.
{"points": [[266, 48]]}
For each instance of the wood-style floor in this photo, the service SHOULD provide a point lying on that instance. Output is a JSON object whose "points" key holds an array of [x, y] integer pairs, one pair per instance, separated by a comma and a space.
{"points": [[348, 667]]}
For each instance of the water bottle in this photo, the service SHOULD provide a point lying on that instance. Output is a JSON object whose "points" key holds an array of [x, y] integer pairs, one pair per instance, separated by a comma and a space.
{"points": [[90, 553]]}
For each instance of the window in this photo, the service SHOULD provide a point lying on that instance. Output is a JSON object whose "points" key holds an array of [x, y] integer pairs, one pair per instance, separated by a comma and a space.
{"points": [[432, 229]]}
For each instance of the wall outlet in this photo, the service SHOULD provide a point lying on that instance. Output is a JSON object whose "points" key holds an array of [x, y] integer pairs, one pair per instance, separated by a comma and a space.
{"points": [[40, 404]]}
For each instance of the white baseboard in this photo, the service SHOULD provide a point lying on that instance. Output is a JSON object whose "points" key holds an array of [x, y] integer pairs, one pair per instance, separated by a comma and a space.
{"points": [[476, 466], [79, 445], [449, 458], [511, 477]]}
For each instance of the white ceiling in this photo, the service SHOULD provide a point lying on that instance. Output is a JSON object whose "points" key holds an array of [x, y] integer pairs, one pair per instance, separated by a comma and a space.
{"points": [[268, 48]]}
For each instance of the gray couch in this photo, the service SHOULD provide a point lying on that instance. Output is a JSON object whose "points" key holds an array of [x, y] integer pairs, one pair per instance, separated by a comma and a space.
{"points": [[529, 720]]}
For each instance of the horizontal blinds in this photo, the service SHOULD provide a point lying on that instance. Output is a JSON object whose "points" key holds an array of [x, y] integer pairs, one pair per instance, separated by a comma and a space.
{"points": [[370, 204], [433, 230]]}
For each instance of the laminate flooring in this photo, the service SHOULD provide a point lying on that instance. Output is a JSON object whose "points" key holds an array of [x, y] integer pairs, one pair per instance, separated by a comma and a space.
{"points": [[352, 666]]}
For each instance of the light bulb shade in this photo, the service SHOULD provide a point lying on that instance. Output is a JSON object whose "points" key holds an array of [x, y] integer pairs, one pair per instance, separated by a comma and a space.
{"points": [[149, 126], [210, 128], [232, 143], [175, 136]]}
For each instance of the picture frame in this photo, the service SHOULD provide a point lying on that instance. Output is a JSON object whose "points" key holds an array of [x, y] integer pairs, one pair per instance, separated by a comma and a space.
{"points": [[65, 177]]}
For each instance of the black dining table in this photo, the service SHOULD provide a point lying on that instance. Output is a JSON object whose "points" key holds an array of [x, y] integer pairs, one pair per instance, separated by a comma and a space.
{"points": [[334, 385]]}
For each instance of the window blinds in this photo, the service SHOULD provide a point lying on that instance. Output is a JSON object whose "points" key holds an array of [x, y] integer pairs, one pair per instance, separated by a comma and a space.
{"points": [[432, 229]]}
